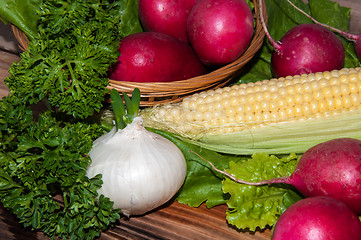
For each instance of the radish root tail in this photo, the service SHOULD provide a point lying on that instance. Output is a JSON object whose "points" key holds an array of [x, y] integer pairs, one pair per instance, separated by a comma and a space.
{"points": [[347, 35], [224, 172]]}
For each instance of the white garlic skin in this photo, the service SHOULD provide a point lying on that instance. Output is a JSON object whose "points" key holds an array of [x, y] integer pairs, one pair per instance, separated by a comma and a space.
{"points": [[141, 170]]}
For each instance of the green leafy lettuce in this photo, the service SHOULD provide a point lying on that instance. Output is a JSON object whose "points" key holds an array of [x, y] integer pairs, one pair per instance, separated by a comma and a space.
{"points": [[252, 207], [22, 14]]}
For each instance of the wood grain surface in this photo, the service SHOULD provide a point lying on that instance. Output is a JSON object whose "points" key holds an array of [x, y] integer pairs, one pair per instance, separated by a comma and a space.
{"points": [[173, 221]]}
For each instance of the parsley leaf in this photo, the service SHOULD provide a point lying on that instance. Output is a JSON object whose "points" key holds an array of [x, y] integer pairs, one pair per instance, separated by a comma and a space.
{"points": [[43, 157], [67, 62], [43, 177]]}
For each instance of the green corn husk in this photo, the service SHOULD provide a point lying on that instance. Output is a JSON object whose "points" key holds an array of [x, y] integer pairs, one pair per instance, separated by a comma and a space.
{"points": [[293, 135], [275, 138]]}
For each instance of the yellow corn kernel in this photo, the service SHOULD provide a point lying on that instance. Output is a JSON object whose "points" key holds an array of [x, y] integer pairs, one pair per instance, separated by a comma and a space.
{"points": [[290, 90], [230, 111], [307, 97], [265, 107], [259, 96], [254, 105], [336, 90], [315, 85], [266, 116], [241, 91], [335, 80], [202, 107], [353, 77], [355, 99], [331, 105], [266, 95], [282, 91], [352, 87], [207, 116], [346, 102], [324, 82], [314, 107], [208, 99], [234, 100], [298, 98], [327, 91], [345, 90], [306, 109], [273, 106], [318, 75]]}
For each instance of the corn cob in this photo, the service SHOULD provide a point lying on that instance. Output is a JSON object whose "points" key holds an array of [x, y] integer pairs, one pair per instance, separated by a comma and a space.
{"points": [[276, 116]]}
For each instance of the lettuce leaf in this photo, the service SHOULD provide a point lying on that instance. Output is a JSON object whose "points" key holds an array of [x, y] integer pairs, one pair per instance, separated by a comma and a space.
{"points": [[130, 22], [21, 13], [252, 207]]}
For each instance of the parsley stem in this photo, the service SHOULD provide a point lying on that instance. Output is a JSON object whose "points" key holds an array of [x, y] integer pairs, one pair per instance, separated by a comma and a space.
{"points": [[75, 84]]}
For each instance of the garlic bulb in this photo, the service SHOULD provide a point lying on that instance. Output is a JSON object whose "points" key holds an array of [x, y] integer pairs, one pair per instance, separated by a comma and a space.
{"points": [[141, 170]]}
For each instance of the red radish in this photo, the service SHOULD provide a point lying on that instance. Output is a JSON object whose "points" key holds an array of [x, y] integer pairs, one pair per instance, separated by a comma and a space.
{"points": [[155, 57], [356, 38], [306, 48], [166, 16], [317, 218], [220, 30], [331, 168]]}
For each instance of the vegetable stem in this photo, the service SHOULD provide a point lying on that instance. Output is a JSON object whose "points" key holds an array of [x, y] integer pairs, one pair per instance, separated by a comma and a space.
{"points": [[284, 179], [132, 105], [275, 44], [347, 35], [124, 115], [118, 109]]}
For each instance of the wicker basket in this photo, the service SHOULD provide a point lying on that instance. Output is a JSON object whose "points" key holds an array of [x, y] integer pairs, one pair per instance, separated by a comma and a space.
{"points": [[153, 93]]}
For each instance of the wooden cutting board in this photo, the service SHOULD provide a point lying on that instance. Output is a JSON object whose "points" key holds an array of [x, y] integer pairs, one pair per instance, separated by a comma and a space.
{"points": [[173, 221]]}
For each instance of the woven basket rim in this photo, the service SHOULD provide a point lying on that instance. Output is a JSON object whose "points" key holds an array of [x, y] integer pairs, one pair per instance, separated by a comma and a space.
{"points": [[175, 91]]}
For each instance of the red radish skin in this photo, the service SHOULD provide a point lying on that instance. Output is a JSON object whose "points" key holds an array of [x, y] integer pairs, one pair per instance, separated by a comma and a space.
{"points": [[331, 168], [166, 16], [220, 30], [155, 57], [307, 48], [356, 38], [318, 218]]}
